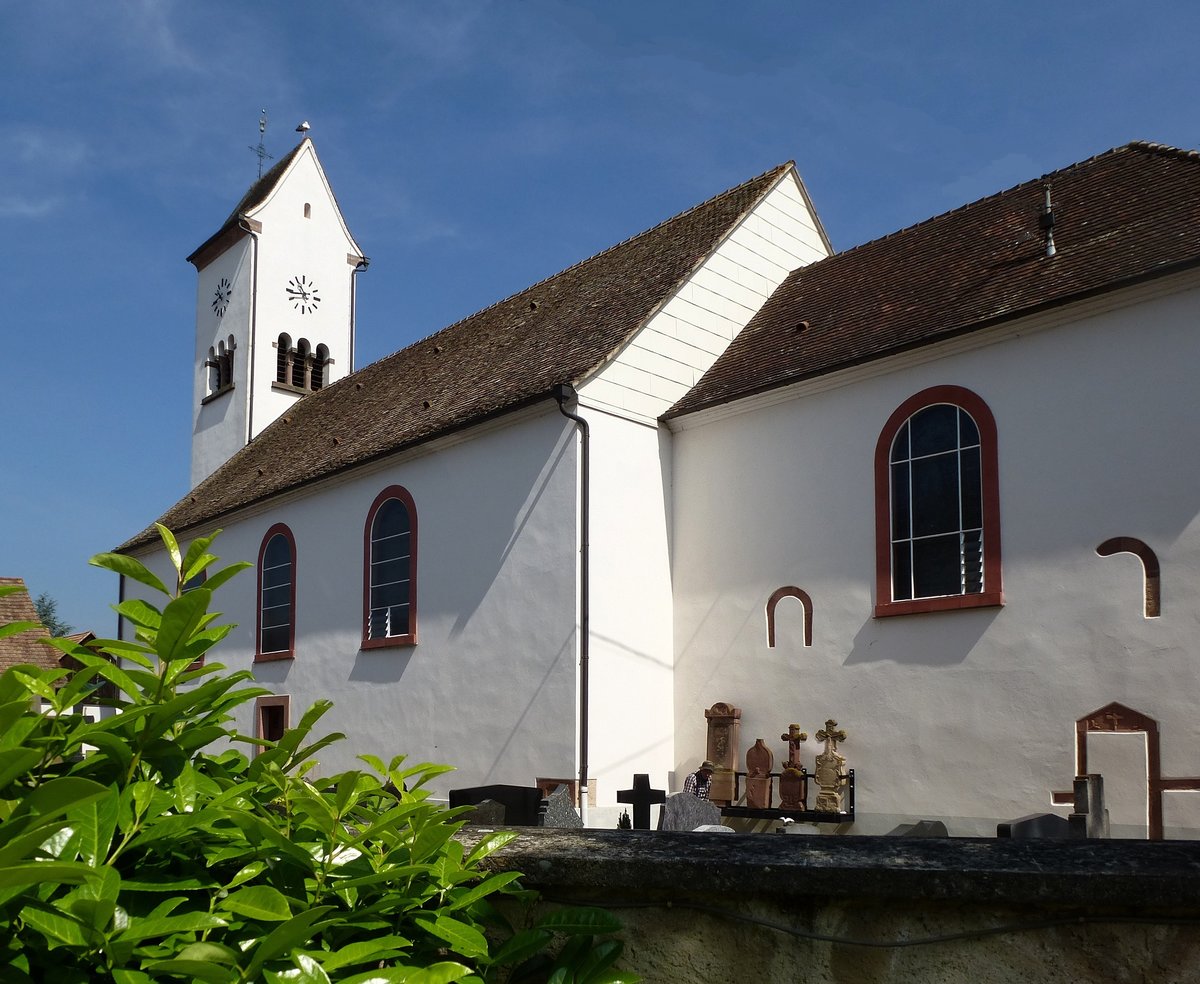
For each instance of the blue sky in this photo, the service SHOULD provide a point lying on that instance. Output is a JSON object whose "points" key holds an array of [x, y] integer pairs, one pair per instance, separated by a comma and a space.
{"points": [[475, 148]]}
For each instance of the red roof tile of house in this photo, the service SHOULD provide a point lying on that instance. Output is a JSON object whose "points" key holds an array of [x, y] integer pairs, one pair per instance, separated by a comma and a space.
{"points": [[23, 647]]}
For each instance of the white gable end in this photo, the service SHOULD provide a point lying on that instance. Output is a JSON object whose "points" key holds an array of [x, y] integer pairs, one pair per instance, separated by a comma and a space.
{"points": [[682, 340]]}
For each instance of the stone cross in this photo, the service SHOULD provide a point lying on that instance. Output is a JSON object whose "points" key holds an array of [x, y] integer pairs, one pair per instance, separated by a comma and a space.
{"points": [[641, 797], [793, 737], [830, 768]]}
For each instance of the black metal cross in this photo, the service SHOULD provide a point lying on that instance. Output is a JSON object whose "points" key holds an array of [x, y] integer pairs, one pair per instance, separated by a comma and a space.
{"points": [[642, 797]]}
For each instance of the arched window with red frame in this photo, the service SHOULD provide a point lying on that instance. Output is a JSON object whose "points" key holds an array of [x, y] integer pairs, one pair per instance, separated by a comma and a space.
{"points": [[937, 505], [276, 595], [390, 570]]}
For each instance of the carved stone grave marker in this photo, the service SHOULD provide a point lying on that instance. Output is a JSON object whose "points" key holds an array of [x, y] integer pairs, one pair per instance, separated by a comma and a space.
{"points": [[759, 764]]}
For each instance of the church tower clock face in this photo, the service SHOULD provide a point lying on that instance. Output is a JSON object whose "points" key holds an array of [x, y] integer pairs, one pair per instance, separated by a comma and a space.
{"points": [[221, 295], [302, 292]]}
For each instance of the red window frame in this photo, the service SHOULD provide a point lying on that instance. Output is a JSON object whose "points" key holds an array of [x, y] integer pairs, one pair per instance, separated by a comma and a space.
{"points": [[283, 701], [993, 593], [289, 653], [410, 637]]}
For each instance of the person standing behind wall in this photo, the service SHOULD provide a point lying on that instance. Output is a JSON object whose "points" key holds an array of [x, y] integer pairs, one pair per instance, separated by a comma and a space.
{"points": [[698, 782]]}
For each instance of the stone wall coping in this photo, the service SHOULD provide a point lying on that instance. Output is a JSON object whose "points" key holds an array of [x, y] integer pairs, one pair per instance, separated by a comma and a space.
{"points": [[641, 864]]}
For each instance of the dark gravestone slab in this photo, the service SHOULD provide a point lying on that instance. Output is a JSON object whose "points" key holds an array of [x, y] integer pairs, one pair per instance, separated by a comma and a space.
{"points": [[1038, 825], [488, 813], [641, 797], [560, 811], [522, 804], [922, 828]]}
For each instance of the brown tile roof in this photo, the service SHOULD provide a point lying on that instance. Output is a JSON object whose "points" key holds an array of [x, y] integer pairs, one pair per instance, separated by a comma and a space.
{"points": [[1126, 215], [254, 196], [503, 357], [24, 646]]}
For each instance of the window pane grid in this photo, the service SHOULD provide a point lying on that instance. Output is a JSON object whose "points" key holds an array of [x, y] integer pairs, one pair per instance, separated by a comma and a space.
{"points": [[390, 572], [275, 609], [932, 508]]}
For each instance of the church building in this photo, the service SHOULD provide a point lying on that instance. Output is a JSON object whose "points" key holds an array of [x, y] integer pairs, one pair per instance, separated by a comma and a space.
{"points": [[940, 488]]}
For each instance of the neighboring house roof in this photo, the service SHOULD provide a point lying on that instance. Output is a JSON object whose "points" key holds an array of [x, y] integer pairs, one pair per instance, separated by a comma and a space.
{"points": [[23, 647], [503, 357], [1127, 215]]}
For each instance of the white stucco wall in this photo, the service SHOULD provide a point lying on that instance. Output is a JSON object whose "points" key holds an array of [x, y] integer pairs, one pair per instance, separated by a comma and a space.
{"points": [[290, 245], [219, 427], [631, 632], [490, 686], [968, 716], [683, 339]]}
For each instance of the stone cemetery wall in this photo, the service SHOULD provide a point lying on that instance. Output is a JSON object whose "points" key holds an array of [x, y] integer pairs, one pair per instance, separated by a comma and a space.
{"points": [[705, 908]]}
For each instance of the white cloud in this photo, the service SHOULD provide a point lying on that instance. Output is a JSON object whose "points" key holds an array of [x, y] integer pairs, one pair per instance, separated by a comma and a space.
{"points": [[16, 207]]}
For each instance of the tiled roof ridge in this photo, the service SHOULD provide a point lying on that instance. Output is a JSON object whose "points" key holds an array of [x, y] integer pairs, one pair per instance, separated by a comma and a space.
{"points": [[1167, 150], [1163, 149], [678, 216]]}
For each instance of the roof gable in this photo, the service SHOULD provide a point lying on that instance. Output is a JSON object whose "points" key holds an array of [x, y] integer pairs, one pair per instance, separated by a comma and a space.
{"points": [[501, 358], [1129, 214], [258, 196]]}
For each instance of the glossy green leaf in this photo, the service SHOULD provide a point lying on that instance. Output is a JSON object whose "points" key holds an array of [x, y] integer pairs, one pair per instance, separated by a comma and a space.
{"points": [[306, 971], [580, 920], [462, 937], [172, 545], [15, 628], [15, 762], [195, 970], [379, 948], [522, 946], [56, 926], [139, 612], [45, 872], [260, 902], [491, 843], [130, 568], [220, 577], [144, 929], [179, 620], [296, 932]]}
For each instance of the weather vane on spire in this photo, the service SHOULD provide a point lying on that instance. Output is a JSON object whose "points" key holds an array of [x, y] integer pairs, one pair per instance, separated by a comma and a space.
{"points": [[261, 151]]}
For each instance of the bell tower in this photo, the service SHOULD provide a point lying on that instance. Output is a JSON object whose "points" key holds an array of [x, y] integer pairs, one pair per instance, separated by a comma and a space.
{"points": [[274, 307]]}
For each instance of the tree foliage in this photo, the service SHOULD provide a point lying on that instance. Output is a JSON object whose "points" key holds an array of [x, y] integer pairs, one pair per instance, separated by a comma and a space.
{"points": [[147, 846], [47, 611]]}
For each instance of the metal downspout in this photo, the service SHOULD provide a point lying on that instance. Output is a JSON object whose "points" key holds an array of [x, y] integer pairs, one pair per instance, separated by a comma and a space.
{"points": [[245, 227], [564, 394], [359, 267]]}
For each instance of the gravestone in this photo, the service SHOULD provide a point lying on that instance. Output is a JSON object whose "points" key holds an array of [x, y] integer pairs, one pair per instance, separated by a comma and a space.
{"points": [[522, 804], [1090, 819], [1047, 825], [683, 811], [560, 811], [922, 828], [487, 813], [759, 763], [641, 798]]}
